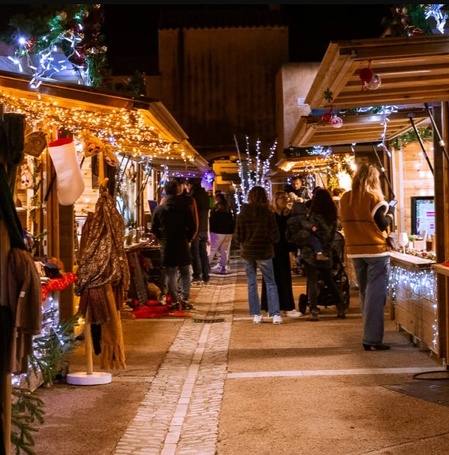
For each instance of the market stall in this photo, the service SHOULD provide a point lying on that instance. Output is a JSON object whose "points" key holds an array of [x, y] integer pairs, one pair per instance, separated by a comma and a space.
{"points": [[374, 93], [61, 123]]}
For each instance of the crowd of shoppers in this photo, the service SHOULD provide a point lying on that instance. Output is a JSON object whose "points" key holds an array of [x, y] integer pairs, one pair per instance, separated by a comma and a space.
{"points": [[267, 233]]}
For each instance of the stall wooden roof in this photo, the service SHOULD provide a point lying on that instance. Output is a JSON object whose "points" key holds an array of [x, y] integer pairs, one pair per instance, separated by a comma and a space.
{"points": [[414, 71], [357, 128], [155, 131]]}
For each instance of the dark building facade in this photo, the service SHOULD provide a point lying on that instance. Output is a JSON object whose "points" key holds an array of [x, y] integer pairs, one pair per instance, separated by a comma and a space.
{"points": [[217, 72]]}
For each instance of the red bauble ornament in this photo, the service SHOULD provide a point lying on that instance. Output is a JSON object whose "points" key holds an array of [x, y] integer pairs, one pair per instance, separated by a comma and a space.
{"points": [[326, 118], [366, 74]]}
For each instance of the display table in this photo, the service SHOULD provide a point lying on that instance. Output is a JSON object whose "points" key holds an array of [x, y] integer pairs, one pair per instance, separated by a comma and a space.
{"points": [[144, 260], [413, 299]]}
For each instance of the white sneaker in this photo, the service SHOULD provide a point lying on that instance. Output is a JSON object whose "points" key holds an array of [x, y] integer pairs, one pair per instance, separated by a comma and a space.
{"points": [[293, 314], [277, 319], [257, 319]]}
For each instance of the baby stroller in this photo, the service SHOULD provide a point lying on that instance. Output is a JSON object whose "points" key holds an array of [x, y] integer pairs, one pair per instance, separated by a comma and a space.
{"points": [[340, 278]]}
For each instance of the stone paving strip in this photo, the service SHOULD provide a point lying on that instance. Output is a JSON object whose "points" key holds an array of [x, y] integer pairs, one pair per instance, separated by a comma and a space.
{"points": [[180, 412]]}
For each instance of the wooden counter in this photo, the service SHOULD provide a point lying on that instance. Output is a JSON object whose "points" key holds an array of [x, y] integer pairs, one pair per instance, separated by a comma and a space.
{"points": [[412, 290]]}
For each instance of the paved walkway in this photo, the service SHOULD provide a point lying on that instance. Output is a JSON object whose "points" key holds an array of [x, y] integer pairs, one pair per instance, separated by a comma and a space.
{"points": [[180, 413], [216, 384]]}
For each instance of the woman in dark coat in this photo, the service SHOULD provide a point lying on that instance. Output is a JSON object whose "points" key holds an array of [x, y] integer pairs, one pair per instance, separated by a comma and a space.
{"points": [[322, 214], [281, 260]]}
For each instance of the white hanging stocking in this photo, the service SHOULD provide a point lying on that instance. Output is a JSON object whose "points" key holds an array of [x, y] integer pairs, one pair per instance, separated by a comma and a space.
{"points": [[70, 183]]}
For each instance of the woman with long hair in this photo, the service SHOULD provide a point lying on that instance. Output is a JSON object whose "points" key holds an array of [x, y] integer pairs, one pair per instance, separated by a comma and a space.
{"points": [[322, 214], [281, 260], [221, 227], [256, 232], [366, 215]]}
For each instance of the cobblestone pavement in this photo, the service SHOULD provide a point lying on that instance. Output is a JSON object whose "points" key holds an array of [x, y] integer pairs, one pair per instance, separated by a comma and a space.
{"points": [[216, 384], [180, 412]]}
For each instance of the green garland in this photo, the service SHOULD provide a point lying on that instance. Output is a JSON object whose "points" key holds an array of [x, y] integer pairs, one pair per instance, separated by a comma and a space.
{"points": [[425, 133]]}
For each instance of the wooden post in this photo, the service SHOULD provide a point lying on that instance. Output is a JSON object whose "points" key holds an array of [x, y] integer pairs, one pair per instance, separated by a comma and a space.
{"points": [[7, 388], [5, 394], [90, 377]]}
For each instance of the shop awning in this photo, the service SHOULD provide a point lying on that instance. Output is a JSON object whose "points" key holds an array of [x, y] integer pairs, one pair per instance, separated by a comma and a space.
{"points": [[414, 73], [137, 126], [357, 128]]}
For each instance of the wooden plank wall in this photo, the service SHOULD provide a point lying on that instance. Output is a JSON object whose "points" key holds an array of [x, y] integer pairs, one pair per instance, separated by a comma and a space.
{"points": [[411, 177]]}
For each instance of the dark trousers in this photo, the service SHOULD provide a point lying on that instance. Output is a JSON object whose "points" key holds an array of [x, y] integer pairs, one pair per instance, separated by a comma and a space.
{"points": [[200, 263]]}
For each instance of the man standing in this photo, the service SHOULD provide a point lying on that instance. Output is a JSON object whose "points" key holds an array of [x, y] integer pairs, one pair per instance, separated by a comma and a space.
{"points": [[199, 244], [174, 225], [297, 191]]}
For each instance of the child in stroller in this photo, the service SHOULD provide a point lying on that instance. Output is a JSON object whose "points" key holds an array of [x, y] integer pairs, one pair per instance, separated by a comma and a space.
{"points": [[339, 276]]}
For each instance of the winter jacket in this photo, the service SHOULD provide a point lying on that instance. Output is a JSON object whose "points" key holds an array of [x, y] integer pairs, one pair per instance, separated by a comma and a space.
{"points": [[221, 221], [299, 225], [174, 225], [202, 205], [256, 231], [363, 236]]}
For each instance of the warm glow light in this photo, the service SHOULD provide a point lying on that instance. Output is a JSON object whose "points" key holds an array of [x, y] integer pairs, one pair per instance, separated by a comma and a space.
{"points": [[128, 129]]}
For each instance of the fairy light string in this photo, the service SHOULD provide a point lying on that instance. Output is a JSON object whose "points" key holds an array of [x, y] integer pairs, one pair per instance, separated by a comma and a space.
{"points": [[126, 130]]}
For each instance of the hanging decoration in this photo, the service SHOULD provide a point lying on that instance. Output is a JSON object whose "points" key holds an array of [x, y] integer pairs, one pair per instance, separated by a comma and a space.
{"points": [[366, 74], [374, 83], [336, 122], [254, 171], [51, 39], [330, 117], [370, 80]]}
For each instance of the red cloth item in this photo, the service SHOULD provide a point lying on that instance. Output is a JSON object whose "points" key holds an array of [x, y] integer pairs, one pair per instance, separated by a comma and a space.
{"points": [[152, 309], [58, 284]]}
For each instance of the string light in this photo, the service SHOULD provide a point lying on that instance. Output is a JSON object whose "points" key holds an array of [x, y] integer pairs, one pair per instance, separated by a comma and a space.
{"points": [[127, 130], [253, 173], [417, 287]]}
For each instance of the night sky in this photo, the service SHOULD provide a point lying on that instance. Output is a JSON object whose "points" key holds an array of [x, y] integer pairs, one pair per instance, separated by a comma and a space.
{"points": [[130, 31]]}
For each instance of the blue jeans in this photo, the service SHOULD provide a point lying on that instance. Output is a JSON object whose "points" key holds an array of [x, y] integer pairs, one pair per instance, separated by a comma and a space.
{"points": [[200, 264], [372, 279], [266, 267], [172, 285]]}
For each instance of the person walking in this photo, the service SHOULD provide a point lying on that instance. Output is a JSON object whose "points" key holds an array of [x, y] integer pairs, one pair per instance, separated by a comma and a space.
{"points": [[281, 260], [174, 225], [256, 232], [221, 226], [322, 214], [199, 244], [366, 215]]}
